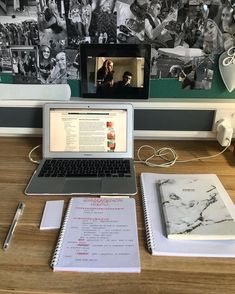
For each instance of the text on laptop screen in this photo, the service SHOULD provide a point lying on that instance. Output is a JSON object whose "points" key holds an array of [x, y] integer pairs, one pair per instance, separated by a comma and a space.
{"points": [[88, 130]]}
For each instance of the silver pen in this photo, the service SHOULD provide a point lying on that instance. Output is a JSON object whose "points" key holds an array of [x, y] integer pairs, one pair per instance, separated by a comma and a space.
{"points": [[15, 220]]}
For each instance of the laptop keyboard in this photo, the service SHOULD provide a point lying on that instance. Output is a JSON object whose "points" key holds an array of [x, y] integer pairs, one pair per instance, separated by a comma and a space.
{"points": [[85, 168]]}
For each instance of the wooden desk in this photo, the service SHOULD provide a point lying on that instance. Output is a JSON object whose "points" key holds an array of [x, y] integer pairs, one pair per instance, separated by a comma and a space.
{"points": [[24, 268]]}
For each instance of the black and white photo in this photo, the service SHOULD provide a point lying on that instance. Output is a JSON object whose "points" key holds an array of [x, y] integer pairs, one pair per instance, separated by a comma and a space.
{"points": [[24, 65], [173, 28]]}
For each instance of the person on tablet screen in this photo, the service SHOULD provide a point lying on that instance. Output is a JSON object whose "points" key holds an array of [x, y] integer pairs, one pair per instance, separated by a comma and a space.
{"points": [[126, 80], [105, 74]]}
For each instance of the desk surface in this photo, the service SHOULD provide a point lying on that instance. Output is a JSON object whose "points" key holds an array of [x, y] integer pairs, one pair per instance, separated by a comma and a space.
{"points": [[24, 268]]}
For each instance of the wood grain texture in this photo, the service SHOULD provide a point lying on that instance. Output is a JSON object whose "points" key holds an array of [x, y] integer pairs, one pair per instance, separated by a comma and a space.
{"points": [[24, 268]]}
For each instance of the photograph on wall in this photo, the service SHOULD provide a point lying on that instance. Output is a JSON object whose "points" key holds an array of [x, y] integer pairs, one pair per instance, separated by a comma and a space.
{"points": [[197, 29], [191, 66], [103, 24], [90, 21], [203, 29], [16, 8], [5, 60], [24, 65], [18, 31], [52, 66], [73, 64], [33, 38], [78, 16], [53, 42], [52, 24], [130, 21]]}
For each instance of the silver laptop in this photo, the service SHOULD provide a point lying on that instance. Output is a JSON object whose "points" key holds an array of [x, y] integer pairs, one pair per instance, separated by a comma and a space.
{"points": [[87, 149]]}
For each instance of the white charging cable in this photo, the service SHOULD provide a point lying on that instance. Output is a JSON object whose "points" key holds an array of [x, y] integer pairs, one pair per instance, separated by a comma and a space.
{"points": [[169, 156], [30, 155]]}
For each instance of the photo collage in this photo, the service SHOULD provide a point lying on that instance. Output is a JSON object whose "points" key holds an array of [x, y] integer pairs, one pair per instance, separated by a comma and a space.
{"points": [[39, 39]]}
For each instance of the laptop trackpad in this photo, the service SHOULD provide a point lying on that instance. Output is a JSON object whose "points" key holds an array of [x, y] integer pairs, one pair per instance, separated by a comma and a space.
{"points": [[82, 186]]}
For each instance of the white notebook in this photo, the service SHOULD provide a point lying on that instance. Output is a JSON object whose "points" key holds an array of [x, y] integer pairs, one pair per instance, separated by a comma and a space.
{"points": [[98, 235], [194, 208], [158, 243]]}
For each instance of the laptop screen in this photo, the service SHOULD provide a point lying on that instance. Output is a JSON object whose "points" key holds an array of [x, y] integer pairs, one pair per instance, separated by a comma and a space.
{"points": [[88, 130]]}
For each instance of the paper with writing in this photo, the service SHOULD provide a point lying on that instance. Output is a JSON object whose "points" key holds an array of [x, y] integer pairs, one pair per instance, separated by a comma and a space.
{"points": [[100, 235]]}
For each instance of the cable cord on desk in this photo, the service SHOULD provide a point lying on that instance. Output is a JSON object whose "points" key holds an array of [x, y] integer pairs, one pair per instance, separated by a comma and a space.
{"points": [[30, 155], [162, 153], [169, 156]]}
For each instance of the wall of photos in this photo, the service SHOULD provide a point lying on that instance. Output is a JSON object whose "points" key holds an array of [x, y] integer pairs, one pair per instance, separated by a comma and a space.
{"points": [[39, 40]]}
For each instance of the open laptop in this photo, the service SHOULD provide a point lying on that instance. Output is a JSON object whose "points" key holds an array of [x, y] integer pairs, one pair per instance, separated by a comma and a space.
{"points": [[87, 149]]}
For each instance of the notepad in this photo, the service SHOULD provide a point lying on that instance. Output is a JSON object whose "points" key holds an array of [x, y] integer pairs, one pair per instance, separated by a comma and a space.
{"points": [[52, 215], [98, 235], [157, 241]]}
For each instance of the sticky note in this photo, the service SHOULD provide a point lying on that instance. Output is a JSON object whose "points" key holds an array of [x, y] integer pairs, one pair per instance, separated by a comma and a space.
{"points": [[52, 215]]}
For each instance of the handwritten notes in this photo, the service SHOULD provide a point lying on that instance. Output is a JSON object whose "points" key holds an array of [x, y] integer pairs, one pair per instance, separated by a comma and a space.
{"points": [[99, 235]]}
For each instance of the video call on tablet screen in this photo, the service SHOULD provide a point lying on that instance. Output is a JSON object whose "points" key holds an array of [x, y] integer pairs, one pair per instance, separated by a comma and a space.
{"points": [[115, 70]]}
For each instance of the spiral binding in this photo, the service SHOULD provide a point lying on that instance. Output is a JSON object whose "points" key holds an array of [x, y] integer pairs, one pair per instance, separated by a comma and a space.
{"points": [[61, 237], [148, 228]]}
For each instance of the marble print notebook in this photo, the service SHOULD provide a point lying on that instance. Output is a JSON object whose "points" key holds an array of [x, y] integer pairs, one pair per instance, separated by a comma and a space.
{"points": [[211, 212], [194, 208]]}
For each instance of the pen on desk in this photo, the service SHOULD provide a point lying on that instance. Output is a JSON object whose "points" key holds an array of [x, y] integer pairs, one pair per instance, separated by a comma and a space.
{"points": [[9, 236]]}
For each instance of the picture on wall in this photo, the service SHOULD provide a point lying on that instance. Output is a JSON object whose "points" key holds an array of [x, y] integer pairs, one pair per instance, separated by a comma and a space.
{"points": [[24, 64], [185, 36]]}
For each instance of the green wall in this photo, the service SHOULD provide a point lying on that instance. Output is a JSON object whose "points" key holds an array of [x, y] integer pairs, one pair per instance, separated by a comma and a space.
{"points": [[169, 88], [164, 88]]}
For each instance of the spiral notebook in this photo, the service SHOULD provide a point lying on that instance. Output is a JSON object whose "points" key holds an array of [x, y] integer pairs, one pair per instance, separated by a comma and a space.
{"points": [[194, 208], [98, 235], [157, 241]]}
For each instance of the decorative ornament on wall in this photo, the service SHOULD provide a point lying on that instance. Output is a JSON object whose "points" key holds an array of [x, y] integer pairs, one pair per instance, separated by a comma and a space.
{"points": [[227, 68]]}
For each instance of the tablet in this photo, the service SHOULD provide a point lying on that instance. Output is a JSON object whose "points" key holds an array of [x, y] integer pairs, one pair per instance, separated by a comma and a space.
{"points": [[115, 70]]}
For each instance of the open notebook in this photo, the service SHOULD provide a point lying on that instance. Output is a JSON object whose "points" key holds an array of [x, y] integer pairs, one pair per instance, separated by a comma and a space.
{"points": [[87, 149]]}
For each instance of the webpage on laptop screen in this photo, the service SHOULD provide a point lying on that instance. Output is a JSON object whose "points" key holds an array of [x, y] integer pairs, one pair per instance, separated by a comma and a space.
{"points": [[88, 130]]}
